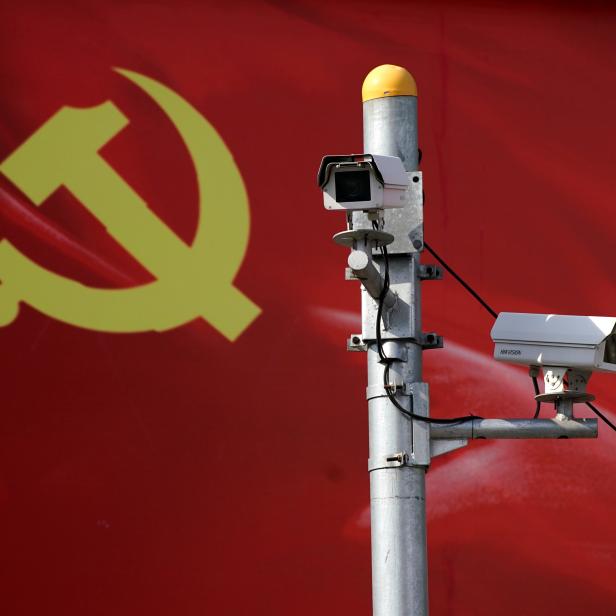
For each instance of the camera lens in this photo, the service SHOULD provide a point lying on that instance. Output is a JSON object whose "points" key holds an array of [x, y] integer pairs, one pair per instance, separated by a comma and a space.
{"points": [[352, 186]]}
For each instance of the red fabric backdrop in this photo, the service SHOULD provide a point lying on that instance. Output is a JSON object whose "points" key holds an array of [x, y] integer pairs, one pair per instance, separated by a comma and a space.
{"points": [[179, 473]]}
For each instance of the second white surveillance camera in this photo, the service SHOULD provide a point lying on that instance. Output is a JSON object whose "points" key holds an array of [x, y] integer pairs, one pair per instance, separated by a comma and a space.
{"points": [[363, 182], [580, 343]]}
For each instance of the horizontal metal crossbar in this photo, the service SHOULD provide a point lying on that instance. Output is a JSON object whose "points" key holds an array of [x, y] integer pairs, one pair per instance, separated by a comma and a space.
{"points": [[516, 428]]}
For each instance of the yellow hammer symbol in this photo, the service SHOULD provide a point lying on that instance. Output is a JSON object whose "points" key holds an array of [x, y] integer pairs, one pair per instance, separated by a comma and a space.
{"points": [[191, 281]]}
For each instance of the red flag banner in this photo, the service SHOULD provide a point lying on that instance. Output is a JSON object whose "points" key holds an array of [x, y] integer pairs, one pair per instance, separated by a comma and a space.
{"points": [[182, 431]]}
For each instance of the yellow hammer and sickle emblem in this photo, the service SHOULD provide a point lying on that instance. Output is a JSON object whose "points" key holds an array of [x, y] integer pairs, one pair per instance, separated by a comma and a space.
{"points": [[191, 281]]}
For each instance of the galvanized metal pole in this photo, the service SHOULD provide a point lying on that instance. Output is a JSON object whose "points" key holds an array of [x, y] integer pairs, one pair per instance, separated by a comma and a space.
{"points": [[397, 487]]}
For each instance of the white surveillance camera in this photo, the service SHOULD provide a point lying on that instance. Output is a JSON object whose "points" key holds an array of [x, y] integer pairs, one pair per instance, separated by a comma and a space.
{"points": [[580, 343], [363, 182]]}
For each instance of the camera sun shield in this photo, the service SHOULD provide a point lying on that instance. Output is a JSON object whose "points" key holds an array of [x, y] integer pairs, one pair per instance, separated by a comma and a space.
{"points": [[577, 342]]}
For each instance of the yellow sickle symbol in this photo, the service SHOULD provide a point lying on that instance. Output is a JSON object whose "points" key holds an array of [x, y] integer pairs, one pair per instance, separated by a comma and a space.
{"points": [[191, 281]]}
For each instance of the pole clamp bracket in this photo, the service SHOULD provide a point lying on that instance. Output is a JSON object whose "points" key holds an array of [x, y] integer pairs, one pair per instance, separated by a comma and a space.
{"points": [[393, 460], [378, 390]]}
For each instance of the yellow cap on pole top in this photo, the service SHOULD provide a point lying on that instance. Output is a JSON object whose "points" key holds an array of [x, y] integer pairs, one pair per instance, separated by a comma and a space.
{"points": [[388, 80]]}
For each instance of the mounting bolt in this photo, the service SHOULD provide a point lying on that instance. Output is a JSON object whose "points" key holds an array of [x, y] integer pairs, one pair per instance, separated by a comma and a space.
{"points": [[356, 343], [430, 272]]}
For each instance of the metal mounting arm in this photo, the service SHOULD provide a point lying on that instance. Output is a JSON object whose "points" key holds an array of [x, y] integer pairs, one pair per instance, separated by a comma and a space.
{"points": [[365, 271], [516, 428]]}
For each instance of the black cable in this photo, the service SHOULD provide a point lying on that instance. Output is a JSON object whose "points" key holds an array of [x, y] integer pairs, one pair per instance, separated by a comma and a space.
{"points": [[599, 414], [383, 294], [476, 295], [480, 299], [462, 282], [594, 409], [388, 360], [536, 388], [484, 304], [451, 271]]}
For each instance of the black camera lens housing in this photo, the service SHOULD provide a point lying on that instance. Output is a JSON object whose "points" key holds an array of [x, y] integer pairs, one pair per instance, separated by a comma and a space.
{"points": [[352, 186]]}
